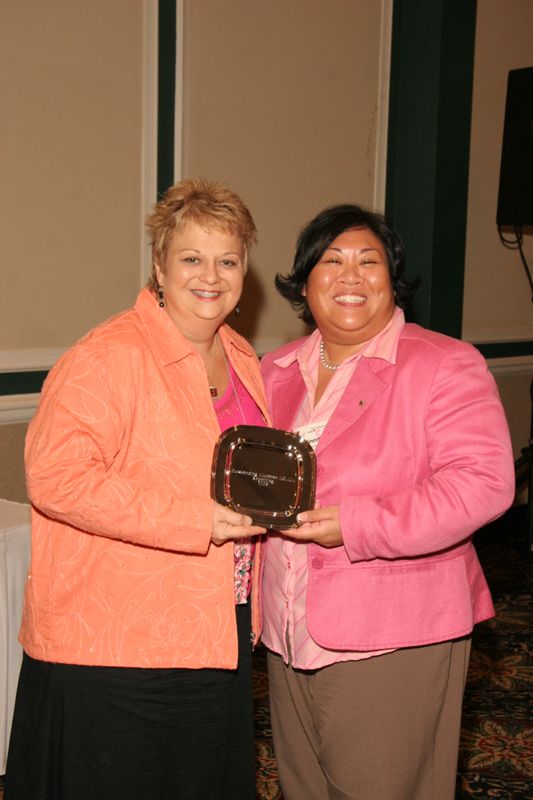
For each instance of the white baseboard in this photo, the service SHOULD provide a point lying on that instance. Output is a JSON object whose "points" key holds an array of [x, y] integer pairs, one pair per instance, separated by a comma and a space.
{"points": [[515, 365], [16, 408]]}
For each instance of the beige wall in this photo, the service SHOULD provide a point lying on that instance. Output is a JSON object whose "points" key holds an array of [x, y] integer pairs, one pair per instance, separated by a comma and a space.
{"points": [[514, 391], [12, 483], [71, 83], [497, 298], [281, 102], [71, 88]]}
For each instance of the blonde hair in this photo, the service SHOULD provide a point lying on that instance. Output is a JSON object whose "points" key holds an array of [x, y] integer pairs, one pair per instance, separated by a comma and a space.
{"points": [[208, 203]]}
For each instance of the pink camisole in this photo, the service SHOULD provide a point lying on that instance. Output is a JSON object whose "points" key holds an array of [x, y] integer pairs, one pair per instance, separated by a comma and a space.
{"points": [[242, 411]]}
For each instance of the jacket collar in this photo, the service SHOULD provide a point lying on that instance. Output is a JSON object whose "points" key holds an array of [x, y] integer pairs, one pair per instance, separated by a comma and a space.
{"points": [[166, 340], [366, 385], [383, 345], [371, 378]]}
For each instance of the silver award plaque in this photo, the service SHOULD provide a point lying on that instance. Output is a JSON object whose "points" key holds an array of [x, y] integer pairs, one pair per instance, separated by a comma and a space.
{"points": [[266, 473]]}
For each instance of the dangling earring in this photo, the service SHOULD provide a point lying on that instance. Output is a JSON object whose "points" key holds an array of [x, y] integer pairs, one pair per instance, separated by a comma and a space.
{"points": [[160, 296], [237, 310]]}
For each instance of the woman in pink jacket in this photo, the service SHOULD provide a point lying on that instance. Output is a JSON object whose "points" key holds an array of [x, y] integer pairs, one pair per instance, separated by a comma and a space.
{"points": [[136, 678], [369, 605]]}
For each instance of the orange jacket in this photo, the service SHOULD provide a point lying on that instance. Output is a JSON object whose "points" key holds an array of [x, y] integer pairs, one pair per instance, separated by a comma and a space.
{"points": [[118, 463]]}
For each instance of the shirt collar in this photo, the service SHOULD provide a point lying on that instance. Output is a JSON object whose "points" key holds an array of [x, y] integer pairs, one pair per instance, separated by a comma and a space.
{"points": [[384, 345], [169, 344]]}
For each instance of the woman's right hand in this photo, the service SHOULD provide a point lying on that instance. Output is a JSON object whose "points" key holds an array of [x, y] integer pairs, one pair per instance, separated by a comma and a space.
{"points": [[229, 524]]}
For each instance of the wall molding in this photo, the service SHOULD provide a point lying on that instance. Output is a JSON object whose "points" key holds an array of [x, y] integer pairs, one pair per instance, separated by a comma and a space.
{"points": [[18, 408], [496, 335], [39, 359], [35, 359], [149, 129], [515, 365], [179, 91], [382, 122]]}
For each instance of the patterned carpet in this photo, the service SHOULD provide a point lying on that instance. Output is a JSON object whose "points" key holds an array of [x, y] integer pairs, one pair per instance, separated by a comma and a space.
{"points": [[496, 758]]}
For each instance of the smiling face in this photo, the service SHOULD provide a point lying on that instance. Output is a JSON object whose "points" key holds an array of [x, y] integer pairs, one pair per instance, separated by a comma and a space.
{"points": [[349, 291], [201, 277]]}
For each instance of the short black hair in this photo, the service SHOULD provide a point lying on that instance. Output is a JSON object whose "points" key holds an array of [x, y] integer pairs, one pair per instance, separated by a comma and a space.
{"points": [[317, 236]]}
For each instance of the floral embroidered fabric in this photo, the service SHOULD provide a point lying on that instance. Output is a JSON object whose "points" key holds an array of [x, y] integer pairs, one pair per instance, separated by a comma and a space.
{"points": [[243, 557]]}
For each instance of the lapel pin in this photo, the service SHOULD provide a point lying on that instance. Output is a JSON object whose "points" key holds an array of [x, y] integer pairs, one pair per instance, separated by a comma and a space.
{"points": [[361, 403]]}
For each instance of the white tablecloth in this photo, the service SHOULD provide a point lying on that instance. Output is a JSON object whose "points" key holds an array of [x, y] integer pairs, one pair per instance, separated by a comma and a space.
{"points": [[15, 538]]}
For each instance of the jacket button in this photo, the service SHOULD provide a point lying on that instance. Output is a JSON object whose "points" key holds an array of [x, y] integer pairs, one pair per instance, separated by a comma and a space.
{"points": [[319, 469], [317, 563]]}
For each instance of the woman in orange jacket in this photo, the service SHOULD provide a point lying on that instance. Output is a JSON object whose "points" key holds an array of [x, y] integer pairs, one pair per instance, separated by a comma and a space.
{"points": [[136, 678]]}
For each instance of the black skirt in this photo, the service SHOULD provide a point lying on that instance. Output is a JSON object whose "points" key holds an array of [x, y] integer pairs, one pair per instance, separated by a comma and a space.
{"points": [[118, 733]]}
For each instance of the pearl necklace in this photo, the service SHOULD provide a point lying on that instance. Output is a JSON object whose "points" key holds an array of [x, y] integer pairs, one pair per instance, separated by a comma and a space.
{"points": [[324, 361]]}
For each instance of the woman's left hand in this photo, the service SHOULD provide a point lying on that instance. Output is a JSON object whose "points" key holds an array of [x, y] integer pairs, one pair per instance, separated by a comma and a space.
{"points": [[228, 524], [320, 525]]}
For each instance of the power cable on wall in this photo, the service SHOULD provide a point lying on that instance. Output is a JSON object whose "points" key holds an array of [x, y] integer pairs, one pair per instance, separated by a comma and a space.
{"points": [[516, 244]]}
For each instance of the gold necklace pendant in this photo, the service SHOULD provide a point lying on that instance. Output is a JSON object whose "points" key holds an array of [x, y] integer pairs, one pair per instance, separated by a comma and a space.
{"points": [[211, 370]]}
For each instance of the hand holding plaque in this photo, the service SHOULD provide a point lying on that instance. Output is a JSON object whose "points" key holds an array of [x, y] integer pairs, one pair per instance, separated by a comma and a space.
{"points": [[266, 473]]}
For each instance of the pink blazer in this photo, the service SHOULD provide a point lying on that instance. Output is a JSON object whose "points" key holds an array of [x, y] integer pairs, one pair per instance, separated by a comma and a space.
{"points": [[418, 456]]}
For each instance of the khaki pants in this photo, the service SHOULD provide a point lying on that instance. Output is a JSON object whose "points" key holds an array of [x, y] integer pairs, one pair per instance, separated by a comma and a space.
{"points": [[385, 728]]}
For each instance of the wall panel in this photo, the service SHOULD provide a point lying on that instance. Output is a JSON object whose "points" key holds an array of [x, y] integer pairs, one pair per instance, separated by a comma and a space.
{"points": [[285, 102]]}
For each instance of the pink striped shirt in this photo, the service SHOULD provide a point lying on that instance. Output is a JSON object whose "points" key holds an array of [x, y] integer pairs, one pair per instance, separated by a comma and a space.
{"points": [[286, 571]]}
